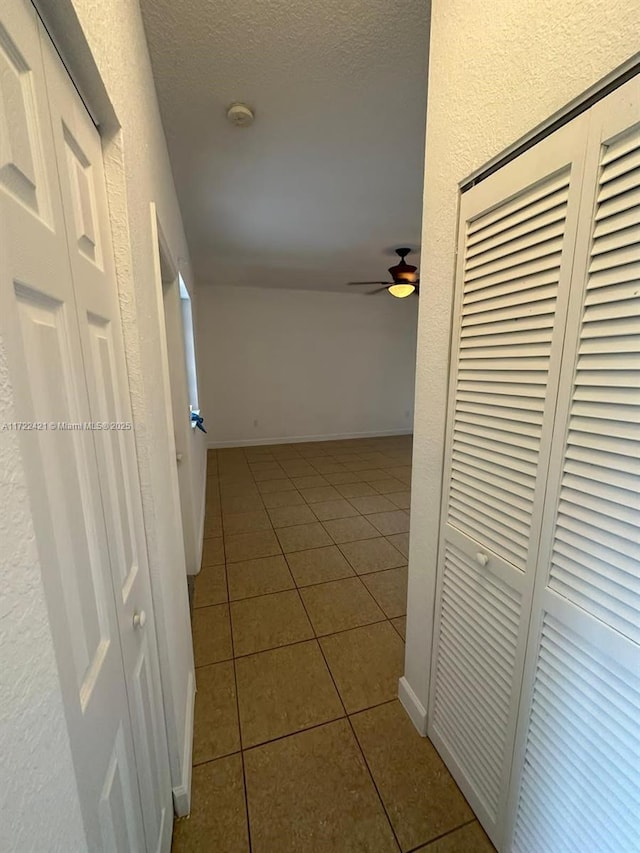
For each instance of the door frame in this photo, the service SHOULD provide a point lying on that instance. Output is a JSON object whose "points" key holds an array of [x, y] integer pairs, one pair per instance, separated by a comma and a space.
{"points": [[167, 285], [65, 31]]}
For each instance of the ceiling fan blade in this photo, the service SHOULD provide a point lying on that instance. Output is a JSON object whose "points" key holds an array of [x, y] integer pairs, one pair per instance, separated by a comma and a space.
{"points": [[366, 282]]}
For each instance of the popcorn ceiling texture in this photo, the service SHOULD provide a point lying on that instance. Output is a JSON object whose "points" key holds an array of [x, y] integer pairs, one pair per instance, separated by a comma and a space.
{"points": [[497, 69], [38, 796], [329, 174]]}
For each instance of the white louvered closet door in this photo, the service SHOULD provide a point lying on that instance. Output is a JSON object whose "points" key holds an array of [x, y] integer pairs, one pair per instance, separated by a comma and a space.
{"points": [[576, 780], [516, 240]]}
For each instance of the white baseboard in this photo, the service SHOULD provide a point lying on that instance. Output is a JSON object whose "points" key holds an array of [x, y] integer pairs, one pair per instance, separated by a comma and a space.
{"points": [[182, 792], [299, 439], [413, 706]]}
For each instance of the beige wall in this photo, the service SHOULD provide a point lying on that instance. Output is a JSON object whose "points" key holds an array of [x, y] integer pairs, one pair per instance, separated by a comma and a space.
{"points": [[497, 69]]}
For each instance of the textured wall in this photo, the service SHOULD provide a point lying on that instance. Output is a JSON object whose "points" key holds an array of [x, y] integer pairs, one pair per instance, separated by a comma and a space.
{"points": [[39, 804], [497, 69], [304, 364]]}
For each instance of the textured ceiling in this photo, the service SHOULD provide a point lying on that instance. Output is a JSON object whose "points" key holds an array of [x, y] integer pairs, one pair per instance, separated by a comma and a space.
{"points": [[328, 179]]}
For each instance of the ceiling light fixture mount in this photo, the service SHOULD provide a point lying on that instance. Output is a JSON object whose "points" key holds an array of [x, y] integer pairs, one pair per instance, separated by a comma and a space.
{"points": [[240, 115]]}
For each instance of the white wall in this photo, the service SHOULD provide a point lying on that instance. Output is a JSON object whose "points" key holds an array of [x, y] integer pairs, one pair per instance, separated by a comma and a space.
{"points": [[303, 364], [497, 69]]}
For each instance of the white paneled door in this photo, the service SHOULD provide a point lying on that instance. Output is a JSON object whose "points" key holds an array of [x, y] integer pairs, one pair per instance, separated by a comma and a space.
{"points": [[84, 202], [59, 322]]}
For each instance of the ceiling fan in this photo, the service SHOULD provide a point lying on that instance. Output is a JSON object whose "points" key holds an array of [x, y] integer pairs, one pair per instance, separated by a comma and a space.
{"points": [[405, 280]]}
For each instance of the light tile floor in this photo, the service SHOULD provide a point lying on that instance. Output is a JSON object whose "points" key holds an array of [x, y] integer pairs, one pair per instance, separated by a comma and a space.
{"points": [[300, 744]]}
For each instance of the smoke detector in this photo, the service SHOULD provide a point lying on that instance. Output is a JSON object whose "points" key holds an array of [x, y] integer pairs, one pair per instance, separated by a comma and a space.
{"points": [[240, 115]]}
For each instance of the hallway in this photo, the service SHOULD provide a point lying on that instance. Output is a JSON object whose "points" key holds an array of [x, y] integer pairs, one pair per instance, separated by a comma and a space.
{"points": [[298, 628]]}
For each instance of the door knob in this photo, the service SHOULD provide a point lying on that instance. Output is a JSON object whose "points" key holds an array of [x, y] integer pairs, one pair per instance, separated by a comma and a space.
{"points": [[139, 619], [482, 558]]}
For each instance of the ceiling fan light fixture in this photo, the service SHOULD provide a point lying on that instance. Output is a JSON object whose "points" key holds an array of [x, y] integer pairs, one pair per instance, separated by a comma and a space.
{"points": [[400, 291], [404, 278]]}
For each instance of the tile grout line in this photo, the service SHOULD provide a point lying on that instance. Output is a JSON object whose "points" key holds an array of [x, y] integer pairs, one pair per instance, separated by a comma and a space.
{"points": [[216, 758], [315, 638], [232, 643], [366, 763], [285, 554], [443, 835], [311, 727], [359, 514], [350, 724], [235, 683], [297, 587], [230, 601], [295, 642], [373, 782]]}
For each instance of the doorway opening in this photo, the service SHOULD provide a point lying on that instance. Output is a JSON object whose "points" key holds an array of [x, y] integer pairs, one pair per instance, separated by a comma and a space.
{"points": [[179, 374]]}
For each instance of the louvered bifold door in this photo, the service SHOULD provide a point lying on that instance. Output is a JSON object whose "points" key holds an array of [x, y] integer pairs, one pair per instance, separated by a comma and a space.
{"points": [[516, 239], [576, 779]]}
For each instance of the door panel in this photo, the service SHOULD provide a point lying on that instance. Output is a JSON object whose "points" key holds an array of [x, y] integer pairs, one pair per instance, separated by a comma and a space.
{"points": [[517, 232], [50, 375], [479, 628], [511, 274], [117, 497], [117, 819], [82, 228], [582, 725], [147, 735], [84, 201], [23, 172], [579, 710], [39, 330]]}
